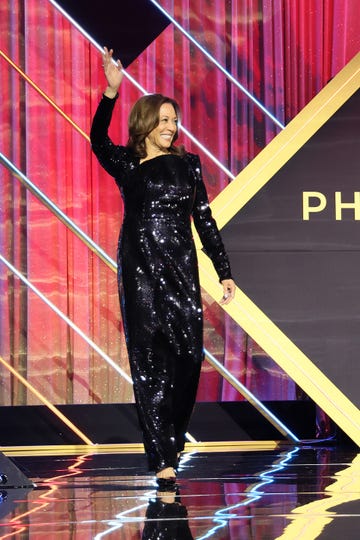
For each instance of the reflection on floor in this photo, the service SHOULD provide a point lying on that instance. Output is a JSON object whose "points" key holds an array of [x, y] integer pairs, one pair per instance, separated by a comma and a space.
{"points": [[292, 493]]}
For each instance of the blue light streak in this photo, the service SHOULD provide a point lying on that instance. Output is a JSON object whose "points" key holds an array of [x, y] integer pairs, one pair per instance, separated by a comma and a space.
{"points": [[116, 525], [221, 517], [218, 65]]}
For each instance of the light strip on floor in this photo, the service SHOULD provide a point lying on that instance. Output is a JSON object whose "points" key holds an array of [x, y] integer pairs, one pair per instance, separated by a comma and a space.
{"points": [[114, 523], [47, 497], [309, 520], [138, 448], [217, 64], [267, 477], [222, 517]]}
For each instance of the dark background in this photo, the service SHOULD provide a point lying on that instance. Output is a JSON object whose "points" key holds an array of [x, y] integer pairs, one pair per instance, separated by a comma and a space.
{"points": [[126, 27], [305, 275]]}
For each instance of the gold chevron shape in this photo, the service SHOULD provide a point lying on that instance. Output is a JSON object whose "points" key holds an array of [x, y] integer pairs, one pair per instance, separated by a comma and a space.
{"points": [[229, 202]]}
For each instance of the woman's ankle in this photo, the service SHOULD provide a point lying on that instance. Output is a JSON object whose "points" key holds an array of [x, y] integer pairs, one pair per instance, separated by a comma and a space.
{"points": [[168, 472], [168, 497]]}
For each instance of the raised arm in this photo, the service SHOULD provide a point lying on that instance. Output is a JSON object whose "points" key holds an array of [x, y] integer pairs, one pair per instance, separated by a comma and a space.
{"points": [[110, 156]]}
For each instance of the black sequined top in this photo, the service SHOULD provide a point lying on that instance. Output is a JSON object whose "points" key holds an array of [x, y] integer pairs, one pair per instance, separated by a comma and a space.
{"points": [[158, 271]]}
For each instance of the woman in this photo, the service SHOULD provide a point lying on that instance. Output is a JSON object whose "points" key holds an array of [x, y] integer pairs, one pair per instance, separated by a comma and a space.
{"points": [[162, 187]]}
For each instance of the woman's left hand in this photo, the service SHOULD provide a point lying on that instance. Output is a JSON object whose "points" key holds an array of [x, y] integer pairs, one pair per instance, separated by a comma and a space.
{"points": [[229, 291]]}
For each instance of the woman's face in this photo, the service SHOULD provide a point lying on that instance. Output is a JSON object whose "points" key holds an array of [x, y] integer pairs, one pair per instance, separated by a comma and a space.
{"points": [[161, 137]]}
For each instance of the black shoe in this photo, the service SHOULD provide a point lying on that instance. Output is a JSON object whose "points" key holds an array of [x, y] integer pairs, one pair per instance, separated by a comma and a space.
{"points": [[166, 484]]}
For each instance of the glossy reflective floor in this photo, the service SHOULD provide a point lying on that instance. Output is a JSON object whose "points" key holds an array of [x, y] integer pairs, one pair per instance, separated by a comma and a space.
{"points": [[290, 493]]}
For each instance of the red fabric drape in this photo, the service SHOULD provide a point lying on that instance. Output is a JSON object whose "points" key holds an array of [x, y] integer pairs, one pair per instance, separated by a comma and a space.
{"points": [[282, 51]]}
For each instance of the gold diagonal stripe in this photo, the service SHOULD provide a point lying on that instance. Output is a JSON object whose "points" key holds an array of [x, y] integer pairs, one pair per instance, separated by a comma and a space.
{"points": [[281, 349], [46, 402], [286, 354], [309, 520], [44, 95], [270, 160]]}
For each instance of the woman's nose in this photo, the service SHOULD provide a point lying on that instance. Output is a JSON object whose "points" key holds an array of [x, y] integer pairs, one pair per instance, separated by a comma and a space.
{"points": [[171, 125]]}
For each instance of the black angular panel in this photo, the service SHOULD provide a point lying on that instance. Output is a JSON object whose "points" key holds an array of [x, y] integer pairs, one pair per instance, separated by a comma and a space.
{"points": [[127, 26], [117, 423], [304, 272], [11, 476]]}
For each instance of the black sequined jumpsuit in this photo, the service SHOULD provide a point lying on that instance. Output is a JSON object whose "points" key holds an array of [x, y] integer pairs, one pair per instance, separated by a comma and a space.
{"points": [[159, 284]]}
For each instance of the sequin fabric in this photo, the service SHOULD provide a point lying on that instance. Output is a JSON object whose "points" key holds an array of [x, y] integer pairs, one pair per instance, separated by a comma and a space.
{"points": [[159, 283], [166, 521]]}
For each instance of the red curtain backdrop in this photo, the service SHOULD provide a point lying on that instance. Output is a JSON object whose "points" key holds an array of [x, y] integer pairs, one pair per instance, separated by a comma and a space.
{"points": [[281, 51]]}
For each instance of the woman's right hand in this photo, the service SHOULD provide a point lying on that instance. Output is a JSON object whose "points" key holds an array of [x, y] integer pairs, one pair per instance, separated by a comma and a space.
{"points": [[113, 73]]}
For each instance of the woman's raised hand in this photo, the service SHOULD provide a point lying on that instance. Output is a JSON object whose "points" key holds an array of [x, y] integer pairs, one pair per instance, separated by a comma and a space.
{"points": [[113, 72]]}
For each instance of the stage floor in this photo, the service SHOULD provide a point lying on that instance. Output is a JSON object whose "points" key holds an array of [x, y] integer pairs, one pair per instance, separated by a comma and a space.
{"points": [[258, 494]]}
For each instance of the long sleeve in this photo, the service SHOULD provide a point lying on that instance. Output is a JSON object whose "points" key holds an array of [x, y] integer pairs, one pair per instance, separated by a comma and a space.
{"points": [[206, 226], [113, 158]]}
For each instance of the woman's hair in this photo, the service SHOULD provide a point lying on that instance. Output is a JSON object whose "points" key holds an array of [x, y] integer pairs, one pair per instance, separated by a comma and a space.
{"points": [[144, 117]]}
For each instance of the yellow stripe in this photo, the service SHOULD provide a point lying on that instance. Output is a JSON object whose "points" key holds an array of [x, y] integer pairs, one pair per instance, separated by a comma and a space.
{"points": [[289, 357], [309, 520], [45, 96], [46, 402], [277, 345], [138, 448], [263, 167]]}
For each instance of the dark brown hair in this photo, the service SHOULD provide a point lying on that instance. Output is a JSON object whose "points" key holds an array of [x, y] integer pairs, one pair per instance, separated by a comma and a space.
{"points": [[144, 117]]}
